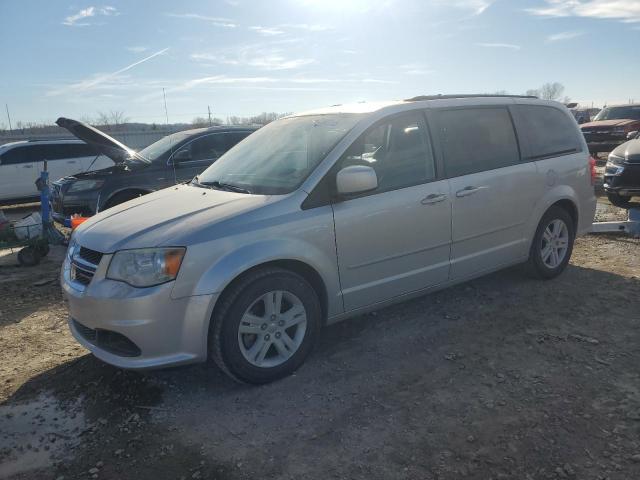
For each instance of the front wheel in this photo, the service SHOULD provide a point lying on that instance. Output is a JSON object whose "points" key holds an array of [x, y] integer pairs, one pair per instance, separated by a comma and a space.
{"points": [[619, 200], [265, 326], [552, 244]]}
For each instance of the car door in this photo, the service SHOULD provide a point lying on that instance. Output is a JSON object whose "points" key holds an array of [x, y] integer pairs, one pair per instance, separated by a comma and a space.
{"points": [[396, 239], [18, 173], [61, 160], [492, 192]]}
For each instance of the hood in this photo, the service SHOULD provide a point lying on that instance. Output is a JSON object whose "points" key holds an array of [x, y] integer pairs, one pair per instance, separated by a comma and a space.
{"points": [[163, 218], [106, 145], [630, 151], [620, 122]]}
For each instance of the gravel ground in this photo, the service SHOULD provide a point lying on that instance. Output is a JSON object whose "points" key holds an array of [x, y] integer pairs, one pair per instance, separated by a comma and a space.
{"points": [[501, 377]]}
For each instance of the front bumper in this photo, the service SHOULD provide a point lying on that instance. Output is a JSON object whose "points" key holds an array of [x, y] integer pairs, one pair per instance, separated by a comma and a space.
{"points": [[63, 204], [165, 331], [626, 183]]}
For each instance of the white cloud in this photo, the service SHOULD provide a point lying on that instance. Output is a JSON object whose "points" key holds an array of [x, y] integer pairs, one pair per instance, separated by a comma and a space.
{"points": [[508, 46], [255, 56], [79, 19], [415, 69], [623, 10], [98, 79], [137, 49], [476, 7], [558, 37], [215, 21], [267, 31], [307, 26]]}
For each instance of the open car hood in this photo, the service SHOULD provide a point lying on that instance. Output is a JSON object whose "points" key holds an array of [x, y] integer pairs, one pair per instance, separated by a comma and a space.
{"points": [[106, 145]]}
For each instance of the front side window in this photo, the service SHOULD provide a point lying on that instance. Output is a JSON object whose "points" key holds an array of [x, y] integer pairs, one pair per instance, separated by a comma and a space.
{"points": [[477, 139], [208, 147], [549, 130], [398, 150], [276, 159]]}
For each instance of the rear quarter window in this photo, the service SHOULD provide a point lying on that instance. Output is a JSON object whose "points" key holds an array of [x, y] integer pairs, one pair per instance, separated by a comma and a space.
{"points": [[548, 131]]}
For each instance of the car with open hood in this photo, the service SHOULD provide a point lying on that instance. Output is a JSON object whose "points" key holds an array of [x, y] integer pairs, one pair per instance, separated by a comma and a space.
{"points": [[611, 127], [622, 173], [173, 159], [324, 215]]}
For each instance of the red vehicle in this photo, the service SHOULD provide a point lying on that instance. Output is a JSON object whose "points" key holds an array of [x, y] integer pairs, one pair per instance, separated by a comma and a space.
{"points": [[611, 127]]}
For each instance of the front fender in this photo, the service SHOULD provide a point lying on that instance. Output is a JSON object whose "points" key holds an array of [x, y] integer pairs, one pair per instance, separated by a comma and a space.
{"points": [[229, 266]]}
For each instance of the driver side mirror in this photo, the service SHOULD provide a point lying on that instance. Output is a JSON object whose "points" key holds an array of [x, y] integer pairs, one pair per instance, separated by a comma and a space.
{"points": [[183, 155], [632, 135], [356, 179]]}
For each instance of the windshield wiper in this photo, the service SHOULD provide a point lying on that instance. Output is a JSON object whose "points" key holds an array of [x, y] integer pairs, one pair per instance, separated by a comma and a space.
{"points": [[225, 186]]}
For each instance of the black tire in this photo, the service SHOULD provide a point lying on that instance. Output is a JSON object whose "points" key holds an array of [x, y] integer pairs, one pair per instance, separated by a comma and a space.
{"points": [[28, 257], [43, 249], [224, 346], [536, 265], [122, 197], [619, 200]]}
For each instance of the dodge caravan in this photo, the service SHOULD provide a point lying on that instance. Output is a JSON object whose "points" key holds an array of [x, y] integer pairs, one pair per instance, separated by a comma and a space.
{"points": [[324, 215]]}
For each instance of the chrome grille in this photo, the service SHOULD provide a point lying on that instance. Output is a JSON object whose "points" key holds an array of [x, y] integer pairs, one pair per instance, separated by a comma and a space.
{"points": [[84, 265], [90, 256]]}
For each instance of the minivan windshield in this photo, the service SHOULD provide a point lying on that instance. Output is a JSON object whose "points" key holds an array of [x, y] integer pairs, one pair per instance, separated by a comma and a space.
{"points": [[156, 149], [618, 113], [276, 159]]}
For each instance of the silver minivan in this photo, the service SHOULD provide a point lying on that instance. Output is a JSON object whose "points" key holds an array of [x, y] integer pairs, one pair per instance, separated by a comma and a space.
{"points": [[324, 215]]}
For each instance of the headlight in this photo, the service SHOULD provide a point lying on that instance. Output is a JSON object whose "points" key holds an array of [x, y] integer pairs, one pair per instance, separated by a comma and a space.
{"points": [[146, 267], [85, 185], [71, 249], [614, 166]]}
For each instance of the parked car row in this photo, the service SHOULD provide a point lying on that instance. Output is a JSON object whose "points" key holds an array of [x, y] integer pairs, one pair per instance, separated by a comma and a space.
{"points": [[324, 215], [612, 127]]}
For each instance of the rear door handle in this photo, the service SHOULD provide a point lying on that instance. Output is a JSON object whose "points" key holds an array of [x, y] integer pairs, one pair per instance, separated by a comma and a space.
{"points": [[470, 190], [433, 198], [27, 166], [71, 161]]}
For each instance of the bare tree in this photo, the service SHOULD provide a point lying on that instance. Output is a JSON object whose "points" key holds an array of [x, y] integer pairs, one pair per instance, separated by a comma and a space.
{"points": [[533, 92], [552, 91], [114, 117]]}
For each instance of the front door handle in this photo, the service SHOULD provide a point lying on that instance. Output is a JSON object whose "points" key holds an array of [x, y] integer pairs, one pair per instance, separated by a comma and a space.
{"points": [[27, 166], [433, 198], [470, 190], [71, 161]]}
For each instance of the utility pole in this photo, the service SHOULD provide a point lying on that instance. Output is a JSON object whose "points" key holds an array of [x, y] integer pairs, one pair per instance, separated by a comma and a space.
{"points": [[209, 109], [166, 113], [6, 105]]}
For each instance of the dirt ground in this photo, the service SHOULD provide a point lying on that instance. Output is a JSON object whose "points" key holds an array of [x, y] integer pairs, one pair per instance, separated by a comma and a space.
{"points": [[503, 377]]}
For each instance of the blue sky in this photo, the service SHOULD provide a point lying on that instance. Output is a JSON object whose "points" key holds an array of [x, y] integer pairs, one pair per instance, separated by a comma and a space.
{"points": [[243, 57]]}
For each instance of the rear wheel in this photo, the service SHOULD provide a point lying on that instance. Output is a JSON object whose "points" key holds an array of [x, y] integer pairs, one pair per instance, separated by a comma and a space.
{"points": [[552, 244], [265, 326], [619, 200]]}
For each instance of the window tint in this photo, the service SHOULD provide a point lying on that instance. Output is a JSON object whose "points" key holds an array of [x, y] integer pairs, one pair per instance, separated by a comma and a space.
{"points": [[38, 153], [234, 137], [548, 130], [208, 147], [398, 150], [477, 139], [15, 155]]}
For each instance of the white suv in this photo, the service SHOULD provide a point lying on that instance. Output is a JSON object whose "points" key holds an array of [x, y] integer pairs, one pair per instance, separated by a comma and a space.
{"points": [[324, 215], [21, 163]]}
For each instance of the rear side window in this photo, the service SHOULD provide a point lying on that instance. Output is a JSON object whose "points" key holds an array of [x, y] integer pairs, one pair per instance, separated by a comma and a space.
{"points": [[234, 137], [549, 131], [15, 155], [477, 139]]}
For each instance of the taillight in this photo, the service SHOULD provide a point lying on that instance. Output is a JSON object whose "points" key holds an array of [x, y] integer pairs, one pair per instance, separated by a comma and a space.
{"points": [[592, 167]]}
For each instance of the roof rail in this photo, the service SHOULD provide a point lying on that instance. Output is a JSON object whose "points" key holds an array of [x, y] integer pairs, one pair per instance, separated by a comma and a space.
{"points": [[473, 95], [49, 139]]}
